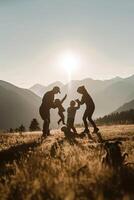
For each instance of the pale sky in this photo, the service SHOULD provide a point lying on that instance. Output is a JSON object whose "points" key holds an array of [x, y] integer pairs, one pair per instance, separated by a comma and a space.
{"points": [[34, 33]]}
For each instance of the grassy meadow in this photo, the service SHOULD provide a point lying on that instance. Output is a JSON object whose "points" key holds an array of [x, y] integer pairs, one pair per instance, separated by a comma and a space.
{"points": [[53, 169]]}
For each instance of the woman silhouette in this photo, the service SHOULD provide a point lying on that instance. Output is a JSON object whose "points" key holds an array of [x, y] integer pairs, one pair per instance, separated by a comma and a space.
{"points": [[90, 107]]}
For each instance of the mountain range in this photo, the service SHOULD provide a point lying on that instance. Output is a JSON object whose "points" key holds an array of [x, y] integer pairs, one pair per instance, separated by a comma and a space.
{"points": [[126, 106], [19, 106], [108, 95]]}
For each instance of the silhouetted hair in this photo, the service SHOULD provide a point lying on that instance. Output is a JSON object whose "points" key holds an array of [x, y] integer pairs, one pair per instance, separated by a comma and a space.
{"points": [[56, 89], [72, 103], [81, 89], [57, 101]]}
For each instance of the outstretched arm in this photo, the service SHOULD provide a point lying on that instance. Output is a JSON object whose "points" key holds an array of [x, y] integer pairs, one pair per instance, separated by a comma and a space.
{"points": [[64, 98], [80, 102]]}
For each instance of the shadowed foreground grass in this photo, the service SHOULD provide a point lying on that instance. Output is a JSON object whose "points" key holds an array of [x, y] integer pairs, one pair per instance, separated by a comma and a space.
{"points": [[61, 171]]}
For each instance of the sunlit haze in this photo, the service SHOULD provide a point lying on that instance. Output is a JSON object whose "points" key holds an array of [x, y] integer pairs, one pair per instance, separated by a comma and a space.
{"points": [[70, 62], [47, 41]]}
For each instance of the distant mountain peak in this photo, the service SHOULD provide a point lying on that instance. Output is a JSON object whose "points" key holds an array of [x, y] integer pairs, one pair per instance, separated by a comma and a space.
{"points": [[37, 85], [56, 83], [118, 78]]}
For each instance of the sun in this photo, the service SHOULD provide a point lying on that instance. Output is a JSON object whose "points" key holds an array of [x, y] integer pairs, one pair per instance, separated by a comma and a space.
{"points": [[69, 61]]}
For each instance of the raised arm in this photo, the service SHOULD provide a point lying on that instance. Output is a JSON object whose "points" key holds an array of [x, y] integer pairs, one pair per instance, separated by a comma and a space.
{"points": [[64, 98]]}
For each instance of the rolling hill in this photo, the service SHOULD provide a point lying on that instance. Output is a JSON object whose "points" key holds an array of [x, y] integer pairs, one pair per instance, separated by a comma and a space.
{"points": [[95, 86], [113, 96], [126, 106], [17, 106]]}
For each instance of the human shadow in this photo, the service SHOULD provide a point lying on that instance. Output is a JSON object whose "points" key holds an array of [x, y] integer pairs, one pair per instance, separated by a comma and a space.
{"points": [[71, 136], [15, 152], [12, 154]]}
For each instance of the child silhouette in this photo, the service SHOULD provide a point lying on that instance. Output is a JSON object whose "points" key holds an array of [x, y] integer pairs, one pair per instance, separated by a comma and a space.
{"points": [[61, 109], [71, 112]]}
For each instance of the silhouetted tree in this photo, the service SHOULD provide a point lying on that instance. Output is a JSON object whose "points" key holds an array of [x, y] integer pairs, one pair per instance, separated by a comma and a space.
{"points": [[17, 130], [125, 117], [34, 126], [11, 130], [22, 129]]}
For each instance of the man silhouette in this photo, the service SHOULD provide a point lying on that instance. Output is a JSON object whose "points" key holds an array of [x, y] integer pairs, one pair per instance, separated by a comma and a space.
{"points": [[44, 110], [90, 107]]}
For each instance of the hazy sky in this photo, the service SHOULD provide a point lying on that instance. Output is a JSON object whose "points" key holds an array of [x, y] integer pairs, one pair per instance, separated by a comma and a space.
{"points": [[34, 33]]}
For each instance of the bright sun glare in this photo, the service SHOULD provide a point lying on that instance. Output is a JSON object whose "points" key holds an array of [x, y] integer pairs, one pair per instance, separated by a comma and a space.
{"points": [[69, 61]]}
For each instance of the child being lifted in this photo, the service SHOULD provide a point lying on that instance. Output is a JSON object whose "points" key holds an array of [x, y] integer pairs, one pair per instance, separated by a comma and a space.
{"points": [[61, 109], [71, 112]]}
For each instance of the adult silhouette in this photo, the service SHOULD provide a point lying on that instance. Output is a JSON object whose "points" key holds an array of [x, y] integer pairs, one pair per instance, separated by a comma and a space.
{"points": [[44, 110], [90, 107]]}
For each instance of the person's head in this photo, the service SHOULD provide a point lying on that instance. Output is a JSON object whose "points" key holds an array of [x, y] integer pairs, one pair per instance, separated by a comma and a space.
{"points": [[72, 103], [57, 102], [56, 90], [81, 89]]}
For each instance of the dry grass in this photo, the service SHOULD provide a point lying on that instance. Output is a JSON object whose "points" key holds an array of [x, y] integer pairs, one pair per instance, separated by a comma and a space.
{"points": [[68, 172], [8, 140]]}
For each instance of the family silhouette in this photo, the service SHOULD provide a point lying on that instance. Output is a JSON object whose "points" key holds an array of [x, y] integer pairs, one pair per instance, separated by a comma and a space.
{"points": [[49, 102]]}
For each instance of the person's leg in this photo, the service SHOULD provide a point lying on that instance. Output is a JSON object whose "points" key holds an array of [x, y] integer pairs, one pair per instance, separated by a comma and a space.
{"points": [[85, 122], [59, 121], [96, 129], [71, 135], [92, 121], [45, 129], [48, 123], [71, 124], [62, 118], [73, 128]]}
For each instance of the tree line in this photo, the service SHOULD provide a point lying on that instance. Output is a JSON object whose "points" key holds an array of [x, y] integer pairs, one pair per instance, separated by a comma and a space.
{"points": [[34, 126], [125, 117]]}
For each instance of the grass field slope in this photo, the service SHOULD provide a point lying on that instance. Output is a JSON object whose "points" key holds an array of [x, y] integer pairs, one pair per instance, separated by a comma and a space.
{"points": [[56, 170]]}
